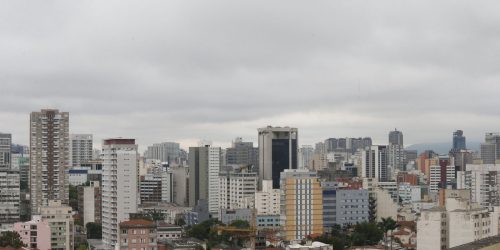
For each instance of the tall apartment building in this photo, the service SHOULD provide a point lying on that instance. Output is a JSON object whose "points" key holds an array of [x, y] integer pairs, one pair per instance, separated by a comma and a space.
{"points": [[34, 233], [277, 152], [483, 182], [10, 196], [306, 153], [5, 151], [301, 204], [120, 169], [268, 201], [242, 153], [157, 187], [237, 188], [440, 177], [61, 225], [204, 169], [396, 150], [164, 152], [180, 176], [374, 163], [90, 203], [49, 157], [81, 149]]}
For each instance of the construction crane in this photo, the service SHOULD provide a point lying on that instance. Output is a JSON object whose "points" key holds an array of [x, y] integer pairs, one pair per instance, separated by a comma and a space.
{"points": [[250, 233]]}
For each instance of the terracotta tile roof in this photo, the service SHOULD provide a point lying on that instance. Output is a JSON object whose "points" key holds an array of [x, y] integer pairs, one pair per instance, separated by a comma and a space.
{"points": [[137, 223]]}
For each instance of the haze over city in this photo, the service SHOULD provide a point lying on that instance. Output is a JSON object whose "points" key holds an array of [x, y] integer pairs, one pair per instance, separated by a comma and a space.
{"points": [[189, 70]]}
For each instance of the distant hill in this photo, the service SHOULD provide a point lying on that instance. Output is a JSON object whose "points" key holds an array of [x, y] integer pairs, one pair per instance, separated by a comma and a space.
{"points": [[441, 147]]}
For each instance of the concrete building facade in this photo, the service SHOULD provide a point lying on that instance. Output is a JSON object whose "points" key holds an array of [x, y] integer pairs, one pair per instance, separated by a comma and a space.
{"points": [[49, 157], [278, 149], [81, 149], [237, 188], [60, 220], [35, 233], [301, 204], [374, 163], [120, 168]]}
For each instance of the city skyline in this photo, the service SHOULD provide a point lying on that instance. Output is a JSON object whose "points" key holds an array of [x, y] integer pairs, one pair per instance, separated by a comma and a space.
{"points": [[180, 71]]}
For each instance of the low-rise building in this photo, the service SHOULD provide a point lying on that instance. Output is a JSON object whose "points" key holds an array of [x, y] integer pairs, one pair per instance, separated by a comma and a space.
{"points": [[165, 231], [138, 234], [35, 233], [268, 222]]}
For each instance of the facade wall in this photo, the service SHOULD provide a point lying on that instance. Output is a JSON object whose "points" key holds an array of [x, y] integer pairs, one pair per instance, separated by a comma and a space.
{"points": [[119, 186], [49, 158], [35, 234]]}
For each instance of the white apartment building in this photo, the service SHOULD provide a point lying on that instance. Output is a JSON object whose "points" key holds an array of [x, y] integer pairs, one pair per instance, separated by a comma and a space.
{"points": [[49, 157], [483, 181], [267, 201], [237, 189], [214, 157], [460, 222], [374, 163], [436, 177], [60, 219], [81, 149], [120, 168], [409, 193]]}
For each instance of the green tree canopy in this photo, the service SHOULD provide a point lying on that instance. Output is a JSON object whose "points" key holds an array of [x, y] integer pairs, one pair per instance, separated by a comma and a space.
{"points": [[11, 239], [366, 234], [94, 230]]}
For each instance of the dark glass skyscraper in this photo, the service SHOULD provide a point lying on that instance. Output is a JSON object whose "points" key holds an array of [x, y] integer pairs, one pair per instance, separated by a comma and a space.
{"points": [[277, 152], [459, 140]]}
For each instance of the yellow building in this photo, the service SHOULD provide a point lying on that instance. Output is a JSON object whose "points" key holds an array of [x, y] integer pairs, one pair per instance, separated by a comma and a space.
{"points": [[301, 204]]}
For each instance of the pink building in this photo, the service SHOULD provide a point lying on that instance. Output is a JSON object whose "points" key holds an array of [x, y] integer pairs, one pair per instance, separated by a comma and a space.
{"points": [[138, 234], [35, 233]]}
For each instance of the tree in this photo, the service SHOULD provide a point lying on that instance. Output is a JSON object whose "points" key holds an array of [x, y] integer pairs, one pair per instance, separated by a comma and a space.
{"points": [[386, 225], [372, 209], [73, 197], [11, 239], [94, 230], [240, 224], [366, 233]]}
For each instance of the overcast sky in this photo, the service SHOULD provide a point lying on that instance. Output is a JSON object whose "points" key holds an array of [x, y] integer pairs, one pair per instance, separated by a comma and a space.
{"points": [[189, 70]]}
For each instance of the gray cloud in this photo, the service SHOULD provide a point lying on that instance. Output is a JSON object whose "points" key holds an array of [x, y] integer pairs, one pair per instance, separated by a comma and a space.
{"points": [[187, 70]]}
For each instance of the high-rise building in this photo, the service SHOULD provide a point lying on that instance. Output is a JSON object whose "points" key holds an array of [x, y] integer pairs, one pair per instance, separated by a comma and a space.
{"points": [[204, 169], [374, 163], [10, 196], [237, 188], [488, 153], [81, 149], [396, 150], [164, 152], [180, 176], [459, 140], [277, 152], [483, 181], [49, 157], [267, 201], [5, 151], [90, 202], [306, 153], [120, 170], [242, 153], [493, 138], [301, 204], [396, 137]]}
